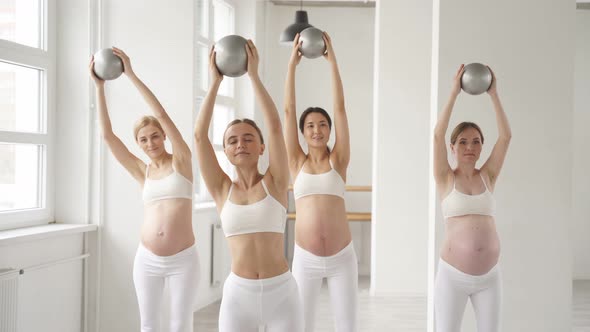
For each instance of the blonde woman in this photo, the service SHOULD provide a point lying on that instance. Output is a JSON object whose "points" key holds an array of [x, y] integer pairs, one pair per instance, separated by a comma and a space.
{"points": [[167, 252]]}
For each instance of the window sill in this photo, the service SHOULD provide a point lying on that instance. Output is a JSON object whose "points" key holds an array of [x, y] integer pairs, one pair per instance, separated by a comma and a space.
{"points": [[26, 234]]}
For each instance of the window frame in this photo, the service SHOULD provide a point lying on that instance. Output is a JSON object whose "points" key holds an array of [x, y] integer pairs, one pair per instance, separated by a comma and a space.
{"points": [[201, 194], [44, 59]]}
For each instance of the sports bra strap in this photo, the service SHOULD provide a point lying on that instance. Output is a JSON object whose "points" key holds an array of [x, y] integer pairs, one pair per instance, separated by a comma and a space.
{"points": [[484, 181], [147, 170], [230, 190], [264, 187]]}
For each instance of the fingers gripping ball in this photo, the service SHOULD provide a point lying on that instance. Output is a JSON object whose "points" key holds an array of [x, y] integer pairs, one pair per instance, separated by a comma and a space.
{"points": [[476, 79], [107, 65], [230, 56], [312, 43]]}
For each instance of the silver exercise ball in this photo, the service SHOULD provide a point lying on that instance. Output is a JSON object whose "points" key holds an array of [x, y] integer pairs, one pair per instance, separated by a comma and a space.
{"points": [[231, 58], [107, 65], [312, 43], [476, 79]]}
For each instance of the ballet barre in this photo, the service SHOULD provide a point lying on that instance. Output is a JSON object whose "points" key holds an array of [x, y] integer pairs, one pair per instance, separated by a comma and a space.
{"points": [[350, 216]]}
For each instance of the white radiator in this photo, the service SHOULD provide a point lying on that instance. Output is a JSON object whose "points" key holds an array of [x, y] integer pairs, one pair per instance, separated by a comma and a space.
{"points": [[8, 300], [217, 259]]}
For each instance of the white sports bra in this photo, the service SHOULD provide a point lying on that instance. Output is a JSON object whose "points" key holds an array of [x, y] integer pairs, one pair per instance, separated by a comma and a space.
{"points": [[459, 204], [266, 215], [328, 183], [173, 185]]}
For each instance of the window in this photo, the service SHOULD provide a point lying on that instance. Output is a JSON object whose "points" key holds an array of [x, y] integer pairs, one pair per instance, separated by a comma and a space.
{"points": [[216, 20], [26, 72]]}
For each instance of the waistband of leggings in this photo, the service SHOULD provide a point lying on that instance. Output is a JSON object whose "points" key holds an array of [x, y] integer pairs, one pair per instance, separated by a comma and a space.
{"points": [[183, 253], [443, 264], [349, 249], [256, 283]]}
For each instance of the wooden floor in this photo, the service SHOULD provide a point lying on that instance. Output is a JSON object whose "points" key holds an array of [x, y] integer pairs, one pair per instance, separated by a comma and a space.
{"points": [[406, 314]]}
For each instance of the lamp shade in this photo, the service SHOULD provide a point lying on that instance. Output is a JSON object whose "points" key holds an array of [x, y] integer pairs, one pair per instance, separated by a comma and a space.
{"points": [[300, 24]]}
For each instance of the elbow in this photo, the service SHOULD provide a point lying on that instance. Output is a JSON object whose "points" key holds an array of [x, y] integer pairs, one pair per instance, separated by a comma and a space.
{"points": [[276, 128], [159, 114], [200, 137], [439, 136], [507, 137], [108, 136]]}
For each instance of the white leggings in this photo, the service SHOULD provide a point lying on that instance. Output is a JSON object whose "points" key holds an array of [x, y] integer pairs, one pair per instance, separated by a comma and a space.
{"points": [[248, 304], [181, 272], [341, 272], [451, 290]]}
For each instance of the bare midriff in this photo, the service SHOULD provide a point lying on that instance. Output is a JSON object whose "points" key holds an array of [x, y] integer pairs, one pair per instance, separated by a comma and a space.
{"points": [[471, 243], [258, 255], [167, 228], [321, 226]]}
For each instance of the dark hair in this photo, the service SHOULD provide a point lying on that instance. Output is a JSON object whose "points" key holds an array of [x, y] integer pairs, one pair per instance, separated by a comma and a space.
{"points": [[314, 110], [246, 121], [461, 127]]}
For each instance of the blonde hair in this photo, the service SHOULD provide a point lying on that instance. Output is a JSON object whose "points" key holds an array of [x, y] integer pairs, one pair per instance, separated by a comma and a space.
{"points": [[145, 121], [461, 127]]}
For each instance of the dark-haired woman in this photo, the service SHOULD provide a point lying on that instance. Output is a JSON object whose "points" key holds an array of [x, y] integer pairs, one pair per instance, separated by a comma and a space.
{"points": [[468, 266], [323, 243]]}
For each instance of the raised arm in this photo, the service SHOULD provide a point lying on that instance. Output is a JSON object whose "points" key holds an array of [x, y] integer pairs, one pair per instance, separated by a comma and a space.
{"points": [[442, 169], [296, 154], [215, 178], [181, 151], [132, 164], [342, 145], [494, 163], [278, 166]]}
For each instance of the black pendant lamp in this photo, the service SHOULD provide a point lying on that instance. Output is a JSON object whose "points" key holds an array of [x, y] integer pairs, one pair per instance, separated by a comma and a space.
{"points": [[300, 24]]}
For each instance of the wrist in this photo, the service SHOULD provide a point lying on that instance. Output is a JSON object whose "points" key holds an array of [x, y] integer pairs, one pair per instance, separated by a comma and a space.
{"points": [[216, 82], [254, 76], [130, 74]]}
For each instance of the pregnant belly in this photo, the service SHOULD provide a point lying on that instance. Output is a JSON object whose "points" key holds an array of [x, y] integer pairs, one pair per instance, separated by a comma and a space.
{"points": [[471, 244]]}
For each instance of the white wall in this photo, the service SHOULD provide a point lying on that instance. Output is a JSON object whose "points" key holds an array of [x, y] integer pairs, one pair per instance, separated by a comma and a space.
{"points": [[534, 63], [353, 45], [401, 144], [72, 111], [581, 141]]}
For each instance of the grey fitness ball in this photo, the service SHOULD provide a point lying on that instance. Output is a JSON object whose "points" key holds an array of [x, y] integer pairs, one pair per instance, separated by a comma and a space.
{"points": [[231, 58], [107, 65], [476, 79], [312, 43]]}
